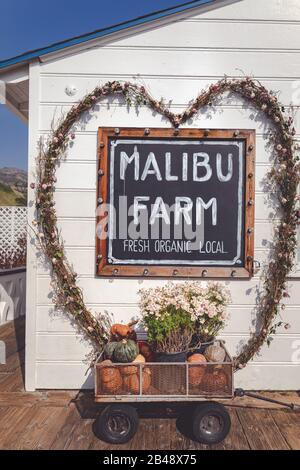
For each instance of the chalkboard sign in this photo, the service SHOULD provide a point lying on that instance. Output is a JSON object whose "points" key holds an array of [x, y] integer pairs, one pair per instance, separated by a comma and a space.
{"points": [[175, 202]]}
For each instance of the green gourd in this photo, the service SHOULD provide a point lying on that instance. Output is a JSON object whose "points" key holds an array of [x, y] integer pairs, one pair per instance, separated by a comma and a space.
{"points": [[125, 351], [109, 349]]}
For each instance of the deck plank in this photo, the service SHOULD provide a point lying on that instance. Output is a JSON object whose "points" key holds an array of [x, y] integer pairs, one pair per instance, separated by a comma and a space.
{"points": [[41, 431], [14, 362], [261, 431], [61, 439], [80, 437], [11, 382], [44, 399], [12, 434], [288, 424]]}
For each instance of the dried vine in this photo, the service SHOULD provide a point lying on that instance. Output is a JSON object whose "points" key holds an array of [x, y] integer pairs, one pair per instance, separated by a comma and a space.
{"points": [[284, 175]]}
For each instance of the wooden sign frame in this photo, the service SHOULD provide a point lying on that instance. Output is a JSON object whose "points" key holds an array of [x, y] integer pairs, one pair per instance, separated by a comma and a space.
{"points": [[180, 271]]}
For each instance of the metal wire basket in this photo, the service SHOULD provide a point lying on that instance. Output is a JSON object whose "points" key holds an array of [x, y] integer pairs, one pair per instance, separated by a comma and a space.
{"points": [[158, 381]]}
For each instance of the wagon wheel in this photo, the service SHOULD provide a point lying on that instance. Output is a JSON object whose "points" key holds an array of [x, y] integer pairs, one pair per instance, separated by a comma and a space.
{"points": [[117, 424], [211, 423]]}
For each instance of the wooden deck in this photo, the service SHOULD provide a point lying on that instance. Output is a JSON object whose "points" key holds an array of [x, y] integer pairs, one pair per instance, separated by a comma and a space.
{"points": [[64, 419]]}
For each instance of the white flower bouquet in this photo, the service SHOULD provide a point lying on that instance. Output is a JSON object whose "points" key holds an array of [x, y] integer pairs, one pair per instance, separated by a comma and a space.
{"points": [[178, 315]]}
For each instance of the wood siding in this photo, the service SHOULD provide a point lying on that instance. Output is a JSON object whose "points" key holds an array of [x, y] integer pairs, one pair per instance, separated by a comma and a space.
{"points": [[175, 61]]}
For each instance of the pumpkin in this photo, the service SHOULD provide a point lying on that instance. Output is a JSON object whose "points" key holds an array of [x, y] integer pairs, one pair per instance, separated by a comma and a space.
{"points": [[110, 377], [132, 383], [129, 370], [196, 373], [125, 351], [215, 381], [109, 349], [215, 353], [139, 358], [146, 350], [114, 385], [119, 331]]}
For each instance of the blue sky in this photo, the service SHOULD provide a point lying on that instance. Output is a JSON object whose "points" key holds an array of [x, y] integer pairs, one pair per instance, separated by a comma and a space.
{"points": [[31, 24]]}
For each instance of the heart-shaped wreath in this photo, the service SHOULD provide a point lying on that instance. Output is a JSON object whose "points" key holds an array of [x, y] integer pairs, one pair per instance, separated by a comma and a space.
{"points": [[284, 174]]}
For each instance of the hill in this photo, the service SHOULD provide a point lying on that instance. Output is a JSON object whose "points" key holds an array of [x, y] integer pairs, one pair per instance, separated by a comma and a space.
{"points": [[13, 187]]}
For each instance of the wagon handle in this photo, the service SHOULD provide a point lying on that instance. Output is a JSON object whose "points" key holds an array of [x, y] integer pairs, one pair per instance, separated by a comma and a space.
{"points": [[239, 392]]}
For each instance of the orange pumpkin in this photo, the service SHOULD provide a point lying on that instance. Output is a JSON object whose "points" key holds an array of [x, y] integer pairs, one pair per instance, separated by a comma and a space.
{"points": [[215, 381], [196, 372], [130, 370], [119, 331], [132, 383], [107, 370], [110, 377]]}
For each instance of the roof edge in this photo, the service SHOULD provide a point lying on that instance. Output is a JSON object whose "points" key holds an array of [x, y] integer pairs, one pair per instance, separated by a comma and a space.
{"points": [[30, 55]]}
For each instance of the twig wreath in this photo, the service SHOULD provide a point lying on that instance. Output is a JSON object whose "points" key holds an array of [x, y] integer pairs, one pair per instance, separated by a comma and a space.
{"points": [[284, 175]]}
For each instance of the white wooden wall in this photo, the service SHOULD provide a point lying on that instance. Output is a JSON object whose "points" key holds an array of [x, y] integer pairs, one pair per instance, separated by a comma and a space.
{"points": [[175, 61]]}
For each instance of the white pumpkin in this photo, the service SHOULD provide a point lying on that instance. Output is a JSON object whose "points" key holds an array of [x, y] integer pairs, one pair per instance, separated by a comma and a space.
{"points": [[215, 353]]}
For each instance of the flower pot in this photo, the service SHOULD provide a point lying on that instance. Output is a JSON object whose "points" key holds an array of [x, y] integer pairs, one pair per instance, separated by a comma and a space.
{"points": [[171, 357], [203, 346], [167, 379]]}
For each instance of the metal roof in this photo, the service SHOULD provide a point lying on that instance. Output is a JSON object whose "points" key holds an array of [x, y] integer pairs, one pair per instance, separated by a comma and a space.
{"points": [[27, 56]]}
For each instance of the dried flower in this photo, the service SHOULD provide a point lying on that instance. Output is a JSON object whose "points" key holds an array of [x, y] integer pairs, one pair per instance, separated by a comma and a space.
{"points": [[214, 88]]}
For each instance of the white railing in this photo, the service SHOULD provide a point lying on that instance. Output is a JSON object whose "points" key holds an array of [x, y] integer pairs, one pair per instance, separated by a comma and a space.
{"points": [[12, 294]]}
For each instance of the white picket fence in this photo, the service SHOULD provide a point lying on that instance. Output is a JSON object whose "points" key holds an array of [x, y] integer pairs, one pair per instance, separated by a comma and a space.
{"points": [[13, 222]]}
